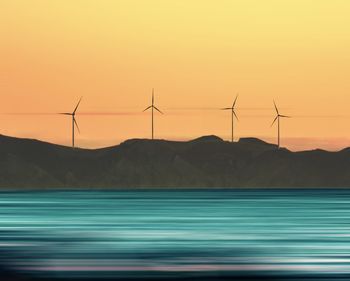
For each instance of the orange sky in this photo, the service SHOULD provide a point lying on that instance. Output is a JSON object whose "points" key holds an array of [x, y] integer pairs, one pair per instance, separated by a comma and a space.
{"points": [[196, 54]]}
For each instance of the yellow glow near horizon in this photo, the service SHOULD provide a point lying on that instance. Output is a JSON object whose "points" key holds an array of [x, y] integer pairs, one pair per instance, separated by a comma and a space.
{"points": [[196, 54]]}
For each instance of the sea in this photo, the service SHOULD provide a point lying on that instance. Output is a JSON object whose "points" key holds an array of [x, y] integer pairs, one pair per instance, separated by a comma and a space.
{"points": [[179, 234]]}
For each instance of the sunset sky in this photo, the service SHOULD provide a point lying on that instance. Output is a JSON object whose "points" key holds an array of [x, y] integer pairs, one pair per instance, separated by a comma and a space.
{"points": [[196, 54]]}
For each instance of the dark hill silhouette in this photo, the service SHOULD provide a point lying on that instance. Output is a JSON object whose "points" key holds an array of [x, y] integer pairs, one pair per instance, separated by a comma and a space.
{"points": [[204, 162]]}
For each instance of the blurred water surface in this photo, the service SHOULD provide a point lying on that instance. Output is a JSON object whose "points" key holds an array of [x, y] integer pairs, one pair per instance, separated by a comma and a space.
{"points": [[80, 234]]}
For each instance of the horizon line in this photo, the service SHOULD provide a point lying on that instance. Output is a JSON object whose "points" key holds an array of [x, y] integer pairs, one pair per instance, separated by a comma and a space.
{"points": [[260, 138]]}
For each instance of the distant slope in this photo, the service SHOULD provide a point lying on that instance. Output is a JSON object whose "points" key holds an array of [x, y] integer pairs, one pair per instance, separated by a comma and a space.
{"points": [[204, 162]]}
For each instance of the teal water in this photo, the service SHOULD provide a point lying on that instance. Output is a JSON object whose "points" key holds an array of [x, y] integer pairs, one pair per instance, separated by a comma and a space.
{"points": [[164, 233]]}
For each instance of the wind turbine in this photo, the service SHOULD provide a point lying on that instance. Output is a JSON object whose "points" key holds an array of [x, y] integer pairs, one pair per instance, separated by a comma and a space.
{"points": [[152, 107], [278, 116], [233, 114], [74, 121]]}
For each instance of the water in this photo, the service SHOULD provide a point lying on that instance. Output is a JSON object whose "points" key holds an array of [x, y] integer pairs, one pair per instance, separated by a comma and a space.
{"points": [[120, 234]]}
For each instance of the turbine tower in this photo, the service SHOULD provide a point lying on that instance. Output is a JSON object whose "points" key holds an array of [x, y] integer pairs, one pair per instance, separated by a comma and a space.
{"points": [[278, 116], [74, 122], [152, 107], [233, 115]]}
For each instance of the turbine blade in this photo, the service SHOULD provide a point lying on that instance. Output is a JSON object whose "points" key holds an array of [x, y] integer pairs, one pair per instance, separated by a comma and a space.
{"points": [[157, 109], [274, 120], [153, 96], [285, 116], [226, 108], [77, 105], [234, 103], [234, 113], [76, 124], [65, 113], [147, 108], [276, 107]]}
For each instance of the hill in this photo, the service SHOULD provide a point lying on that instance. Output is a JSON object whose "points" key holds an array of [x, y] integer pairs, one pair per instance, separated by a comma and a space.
{"points": [[140, 163]]}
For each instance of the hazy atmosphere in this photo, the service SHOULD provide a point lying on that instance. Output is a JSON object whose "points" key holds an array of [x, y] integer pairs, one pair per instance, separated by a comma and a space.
{"points": [[196, 54]]}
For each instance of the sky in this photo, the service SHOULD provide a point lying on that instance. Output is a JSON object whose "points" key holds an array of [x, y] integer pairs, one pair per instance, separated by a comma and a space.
{"points": [[197, 55]]}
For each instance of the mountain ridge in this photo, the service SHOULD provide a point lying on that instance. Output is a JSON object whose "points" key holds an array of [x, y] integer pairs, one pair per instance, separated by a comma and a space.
{"points": [[205, 162]]}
